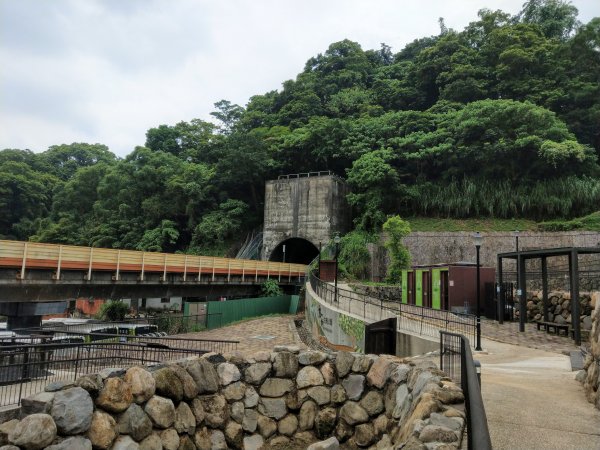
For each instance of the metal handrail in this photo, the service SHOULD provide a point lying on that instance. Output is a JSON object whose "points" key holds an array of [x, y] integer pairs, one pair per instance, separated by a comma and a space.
{"points": [[319, 173], [455, 350], [428, 320], [205, 345]]}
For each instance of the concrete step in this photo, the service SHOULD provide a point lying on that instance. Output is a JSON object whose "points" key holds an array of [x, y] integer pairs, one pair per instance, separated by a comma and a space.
{"points": [[576, 360]]}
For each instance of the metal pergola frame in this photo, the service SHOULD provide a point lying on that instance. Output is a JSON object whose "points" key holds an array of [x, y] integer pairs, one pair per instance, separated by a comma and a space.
{"points": [[543, 254]]}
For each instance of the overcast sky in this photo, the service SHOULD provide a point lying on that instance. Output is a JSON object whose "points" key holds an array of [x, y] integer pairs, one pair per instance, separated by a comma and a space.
{"points": [[108, 70]]}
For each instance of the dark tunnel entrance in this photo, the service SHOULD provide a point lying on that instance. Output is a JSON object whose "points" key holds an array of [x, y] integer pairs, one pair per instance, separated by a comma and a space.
{"points": [[294, 250]]}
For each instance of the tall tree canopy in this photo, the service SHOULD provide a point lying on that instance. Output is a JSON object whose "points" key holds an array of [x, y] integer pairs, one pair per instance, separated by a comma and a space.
{"points": [[498, 119]]}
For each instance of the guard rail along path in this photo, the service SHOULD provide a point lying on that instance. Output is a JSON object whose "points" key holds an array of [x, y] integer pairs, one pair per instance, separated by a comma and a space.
{"points": [[456, 360], [414, 320]]}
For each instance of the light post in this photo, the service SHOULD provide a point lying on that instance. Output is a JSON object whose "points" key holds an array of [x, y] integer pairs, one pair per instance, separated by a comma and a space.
{"points": [[516, 236], [336, 239], [477, 241], [319, 262]]}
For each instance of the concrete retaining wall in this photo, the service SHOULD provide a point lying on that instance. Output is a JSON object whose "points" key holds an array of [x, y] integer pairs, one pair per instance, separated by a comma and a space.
{"points": [[339, 330]]}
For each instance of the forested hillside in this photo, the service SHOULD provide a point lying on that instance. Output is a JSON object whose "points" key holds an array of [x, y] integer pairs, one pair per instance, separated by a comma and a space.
{"points": [[501, 119]]}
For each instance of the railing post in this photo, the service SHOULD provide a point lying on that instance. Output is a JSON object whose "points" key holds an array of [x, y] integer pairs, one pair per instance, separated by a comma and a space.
{"points": [[24, 371], [118, 266], [60, 250], [77, 361], [24, 262]]}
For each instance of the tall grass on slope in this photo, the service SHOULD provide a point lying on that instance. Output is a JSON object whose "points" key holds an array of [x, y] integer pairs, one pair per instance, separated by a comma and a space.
{"points": [[564, 197]]}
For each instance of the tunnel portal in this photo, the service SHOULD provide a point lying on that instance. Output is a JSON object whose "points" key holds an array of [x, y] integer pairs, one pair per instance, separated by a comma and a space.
{"points": [[294, 250]]}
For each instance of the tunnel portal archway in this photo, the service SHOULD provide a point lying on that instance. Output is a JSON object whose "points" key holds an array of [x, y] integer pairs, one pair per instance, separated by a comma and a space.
{"points": [[297, 250]]}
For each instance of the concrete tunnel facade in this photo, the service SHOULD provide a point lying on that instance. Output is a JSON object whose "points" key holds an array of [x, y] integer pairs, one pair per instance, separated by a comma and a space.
{"points": [[302, 211]]}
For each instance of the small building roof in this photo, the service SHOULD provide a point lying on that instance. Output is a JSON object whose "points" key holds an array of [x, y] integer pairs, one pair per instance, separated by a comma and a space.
{"points": [[560, 251]]}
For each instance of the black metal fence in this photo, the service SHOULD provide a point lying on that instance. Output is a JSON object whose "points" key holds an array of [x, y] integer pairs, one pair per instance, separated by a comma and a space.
{"points": [[25, 369], [48, 337], [165, 323], [456, 360], [412, 319]]}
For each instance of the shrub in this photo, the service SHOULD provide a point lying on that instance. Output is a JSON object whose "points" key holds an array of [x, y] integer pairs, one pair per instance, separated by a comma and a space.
{"points": [[354, 258], [113, 310], [396, 230], [270, 288]]}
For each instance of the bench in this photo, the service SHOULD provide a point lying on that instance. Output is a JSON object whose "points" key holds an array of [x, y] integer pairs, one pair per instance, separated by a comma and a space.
{"points": [[557, 327], [584, 334]]}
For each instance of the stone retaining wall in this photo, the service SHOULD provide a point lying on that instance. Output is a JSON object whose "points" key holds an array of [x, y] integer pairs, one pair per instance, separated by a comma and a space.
{"points": [[447, 247], [279, 399], [591, 381], [386, 293], [559, 307]]}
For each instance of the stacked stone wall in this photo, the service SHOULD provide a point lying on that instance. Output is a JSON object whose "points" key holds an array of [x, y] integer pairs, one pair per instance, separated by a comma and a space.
{"points": [[559, 307], [280, 399], [448, 247], [386, 293], [591, 378]]}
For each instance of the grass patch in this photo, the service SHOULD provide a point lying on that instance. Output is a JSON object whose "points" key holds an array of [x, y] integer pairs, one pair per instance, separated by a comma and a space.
{"points": [[590, 222], [444, 224]]}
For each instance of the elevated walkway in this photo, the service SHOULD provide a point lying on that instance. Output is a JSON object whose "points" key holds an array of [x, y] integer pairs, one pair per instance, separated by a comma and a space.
{"points": [[36, 272]]}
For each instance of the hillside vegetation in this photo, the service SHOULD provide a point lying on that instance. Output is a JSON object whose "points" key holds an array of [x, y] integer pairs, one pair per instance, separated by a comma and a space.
{"points": [[496, 121]]}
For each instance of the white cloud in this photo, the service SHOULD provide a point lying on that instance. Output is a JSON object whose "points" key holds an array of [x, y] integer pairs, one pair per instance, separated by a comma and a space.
{"points": [[108, 70]]}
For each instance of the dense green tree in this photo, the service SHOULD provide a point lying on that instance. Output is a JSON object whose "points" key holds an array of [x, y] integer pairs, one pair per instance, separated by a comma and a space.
{"points": [[354, 256], [375, 185], [164, 138], [228, 114], [160, 239], [498, 119], [556, 18], [64, 160], [396, 229], [73, 208], [218, 227], [25, 195]]}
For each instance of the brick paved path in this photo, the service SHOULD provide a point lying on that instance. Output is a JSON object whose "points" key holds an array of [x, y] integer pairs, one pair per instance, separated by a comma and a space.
{"points": [[509, 333], [262, 333]]}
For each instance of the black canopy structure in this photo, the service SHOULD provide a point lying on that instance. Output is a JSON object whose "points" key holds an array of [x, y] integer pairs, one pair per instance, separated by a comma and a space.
{"points": [[543, 254]]}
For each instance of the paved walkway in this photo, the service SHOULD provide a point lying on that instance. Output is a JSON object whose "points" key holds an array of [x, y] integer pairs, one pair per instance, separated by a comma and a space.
{"points": [[532, 400], [509, 333], [258, 334]]}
